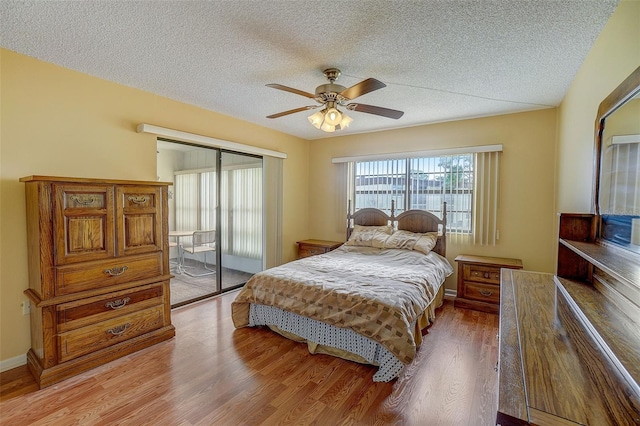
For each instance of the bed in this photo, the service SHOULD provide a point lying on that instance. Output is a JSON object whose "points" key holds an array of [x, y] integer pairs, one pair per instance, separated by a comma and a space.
{"points": [[369, 301]]}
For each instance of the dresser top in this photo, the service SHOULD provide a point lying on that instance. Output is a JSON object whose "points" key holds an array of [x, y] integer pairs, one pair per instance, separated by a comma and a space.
{"points": [[36, 178], [493, 261], [551, 369]]}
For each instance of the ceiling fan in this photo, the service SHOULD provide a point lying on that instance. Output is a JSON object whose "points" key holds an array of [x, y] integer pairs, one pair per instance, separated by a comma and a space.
{"points": [[332, 95]]}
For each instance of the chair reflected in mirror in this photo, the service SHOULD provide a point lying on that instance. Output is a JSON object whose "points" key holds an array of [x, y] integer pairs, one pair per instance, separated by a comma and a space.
{"points": [[203, 242]]}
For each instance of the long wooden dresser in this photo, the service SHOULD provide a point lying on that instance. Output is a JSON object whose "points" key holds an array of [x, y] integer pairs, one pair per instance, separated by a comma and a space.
{"points": [[98, 272], [570, 343]]}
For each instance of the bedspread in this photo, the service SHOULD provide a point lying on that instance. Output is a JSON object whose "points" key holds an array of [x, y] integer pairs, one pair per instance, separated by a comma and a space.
{"points": [[378, 293]]}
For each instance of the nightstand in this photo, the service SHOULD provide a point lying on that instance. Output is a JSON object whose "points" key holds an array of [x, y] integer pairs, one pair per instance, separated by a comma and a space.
{"points": [[308, 248], [479, 281]]}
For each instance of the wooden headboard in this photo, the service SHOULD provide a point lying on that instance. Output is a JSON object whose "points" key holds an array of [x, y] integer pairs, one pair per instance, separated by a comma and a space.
{"points": [[420, 221]]}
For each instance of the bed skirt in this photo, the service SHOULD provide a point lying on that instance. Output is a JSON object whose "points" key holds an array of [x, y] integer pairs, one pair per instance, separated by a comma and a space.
{"points": [[340, 342]]}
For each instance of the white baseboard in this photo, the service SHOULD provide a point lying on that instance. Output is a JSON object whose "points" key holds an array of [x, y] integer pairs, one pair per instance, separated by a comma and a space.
{"points": [[8, 364], [450, 293]]}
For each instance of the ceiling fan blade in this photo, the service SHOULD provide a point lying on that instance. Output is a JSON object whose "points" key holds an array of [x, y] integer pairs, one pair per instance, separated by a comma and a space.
{"points": [[292, 111], [364, 87], [292, 90], [370, 109]]}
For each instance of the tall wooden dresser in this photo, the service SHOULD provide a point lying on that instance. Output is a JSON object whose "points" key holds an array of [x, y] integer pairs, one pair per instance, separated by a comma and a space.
{"points": [[98, 272]]}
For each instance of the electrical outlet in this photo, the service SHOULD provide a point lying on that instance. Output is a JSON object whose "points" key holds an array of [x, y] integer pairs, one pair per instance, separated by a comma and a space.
{"points": [[26, 307]]}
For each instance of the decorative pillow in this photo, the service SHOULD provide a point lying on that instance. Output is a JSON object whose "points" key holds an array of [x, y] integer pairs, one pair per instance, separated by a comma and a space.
{"points": [[412, 241], [427, 242], [369, 236], [402, 240]]}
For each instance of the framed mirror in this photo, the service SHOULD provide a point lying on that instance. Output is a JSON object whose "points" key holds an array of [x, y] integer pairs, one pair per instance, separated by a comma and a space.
{"points": [[617, 167]]}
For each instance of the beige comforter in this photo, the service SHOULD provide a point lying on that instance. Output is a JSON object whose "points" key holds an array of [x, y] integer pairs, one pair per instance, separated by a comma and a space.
{"points": [[378, 293]]}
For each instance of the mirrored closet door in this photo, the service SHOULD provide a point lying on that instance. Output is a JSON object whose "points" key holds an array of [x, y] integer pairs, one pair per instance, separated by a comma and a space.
{"points": [[215, 218]]}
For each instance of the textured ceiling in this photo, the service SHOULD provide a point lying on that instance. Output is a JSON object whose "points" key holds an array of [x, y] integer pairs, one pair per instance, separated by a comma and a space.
{"points": [[441, 60]]}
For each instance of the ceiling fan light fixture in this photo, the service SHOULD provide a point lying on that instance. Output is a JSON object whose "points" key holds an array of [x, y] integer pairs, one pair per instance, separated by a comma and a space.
{"points": [[329, 120], [346, 120], [317, 119], [333, 116], [326, 127]]}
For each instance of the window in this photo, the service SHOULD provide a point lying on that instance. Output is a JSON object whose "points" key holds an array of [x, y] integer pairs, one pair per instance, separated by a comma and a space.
{"points": [[467, 182], [419, 183]]}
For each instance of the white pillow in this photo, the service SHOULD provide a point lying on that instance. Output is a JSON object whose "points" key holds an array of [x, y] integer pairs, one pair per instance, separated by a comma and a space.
{"points": [[427, 242], [402, 240], [369, 236], [412, 241]]}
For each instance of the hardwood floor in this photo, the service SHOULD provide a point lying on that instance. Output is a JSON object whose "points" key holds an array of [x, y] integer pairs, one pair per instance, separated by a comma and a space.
{"points": [[212, 374]]}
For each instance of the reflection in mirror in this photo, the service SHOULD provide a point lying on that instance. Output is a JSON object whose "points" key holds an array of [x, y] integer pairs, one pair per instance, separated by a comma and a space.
{"points": [[619, 180]]}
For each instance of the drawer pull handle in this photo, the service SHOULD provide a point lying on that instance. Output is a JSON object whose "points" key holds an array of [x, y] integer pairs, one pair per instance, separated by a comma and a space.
{"points": [[486, 275], [114, 272], [486, 293], [119, 330], [138, 199], [117, 304], [84, 201]]}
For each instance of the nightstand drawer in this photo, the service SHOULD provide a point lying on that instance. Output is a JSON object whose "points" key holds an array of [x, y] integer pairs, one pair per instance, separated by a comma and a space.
{"points": [[482, 292], [308, 248], [310, 251], [482, 274]]}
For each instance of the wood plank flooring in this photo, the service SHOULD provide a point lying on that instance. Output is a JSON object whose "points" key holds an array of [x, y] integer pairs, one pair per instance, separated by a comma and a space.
{"points": [[212, 374]]}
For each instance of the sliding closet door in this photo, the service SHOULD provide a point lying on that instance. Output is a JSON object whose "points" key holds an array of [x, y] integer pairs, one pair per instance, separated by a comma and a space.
{"points": [[216, 224], [193, 215], [241, 218]]}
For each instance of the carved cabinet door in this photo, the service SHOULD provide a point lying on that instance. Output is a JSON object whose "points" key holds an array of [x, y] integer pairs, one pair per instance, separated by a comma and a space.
{"points": [[139, 219], [83, 219]]}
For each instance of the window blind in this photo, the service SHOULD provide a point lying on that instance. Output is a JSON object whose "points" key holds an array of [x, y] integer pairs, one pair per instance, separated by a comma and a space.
{"points": [[486, 200]]}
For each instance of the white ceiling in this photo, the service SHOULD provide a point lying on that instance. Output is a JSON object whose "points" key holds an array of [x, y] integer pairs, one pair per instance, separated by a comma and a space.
{"points": [[441, 60]]}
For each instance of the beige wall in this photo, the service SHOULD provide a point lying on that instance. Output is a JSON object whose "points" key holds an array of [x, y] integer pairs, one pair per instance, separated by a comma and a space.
{"points": [[62, 123], [526, 179], [614, 55]]}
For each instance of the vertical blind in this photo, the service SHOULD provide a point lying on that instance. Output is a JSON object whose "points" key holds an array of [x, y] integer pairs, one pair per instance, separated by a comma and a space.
{"points": [[241, 219], [623, 180], [486, 200], [208, 201], [241, 192], [186, 193]]}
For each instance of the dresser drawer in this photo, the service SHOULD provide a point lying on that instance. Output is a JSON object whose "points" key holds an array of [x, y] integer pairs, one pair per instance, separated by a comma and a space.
{"points": [[90, 311], [481, 274], [88, 276], [482, 292], [91, 338], [310, 251]]}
